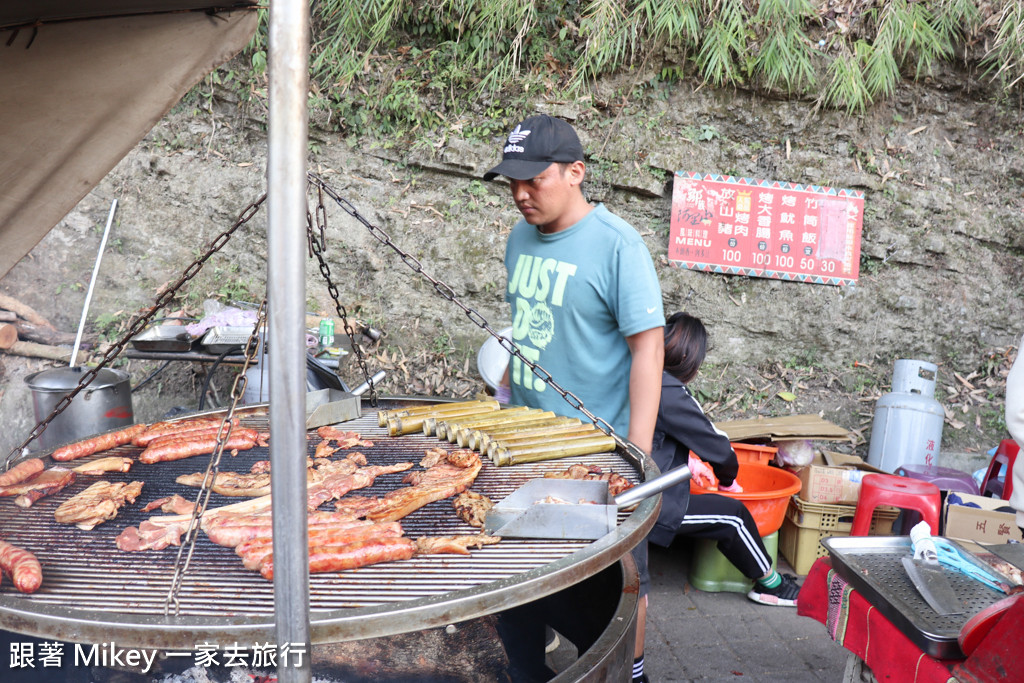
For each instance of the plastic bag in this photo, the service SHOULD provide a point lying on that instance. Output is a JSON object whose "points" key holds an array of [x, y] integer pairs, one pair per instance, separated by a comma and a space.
{"points": [[795, 453], [217, 314]]}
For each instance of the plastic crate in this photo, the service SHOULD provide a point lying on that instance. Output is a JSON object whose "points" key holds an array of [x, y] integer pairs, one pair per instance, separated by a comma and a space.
{"points": [[748, 452], [806, 524]]}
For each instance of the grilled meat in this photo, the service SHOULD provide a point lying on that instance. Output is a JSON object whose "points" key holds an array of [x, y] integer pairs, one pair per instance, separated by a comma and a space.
{"points": [[43, 484], [336, 558], [344, 439], [101, 466], [150, 536], [175, 504], [472, 507], [452, 545], [443, 480], [95, 444], [256, 551], [22, 471], [22, 566], [241, 439], [616, 482], [97, 504], [160, 430]]}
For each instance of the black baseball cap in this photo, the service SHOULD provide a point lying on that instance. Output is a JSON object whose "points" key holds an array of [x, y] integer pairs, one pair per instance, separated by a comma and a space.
{"points": [[533, 145]]}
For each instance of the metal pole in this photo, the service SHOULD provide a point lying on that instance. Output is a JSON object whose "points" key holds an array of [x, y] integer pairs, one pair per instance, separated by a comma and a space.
{"points": [[288, 68], [92, 283]]}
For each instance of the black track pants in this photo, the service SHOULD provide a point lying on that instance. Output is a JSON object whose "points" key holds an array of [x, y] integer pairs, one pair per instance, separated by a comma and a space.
{"points": [[727, 520]]}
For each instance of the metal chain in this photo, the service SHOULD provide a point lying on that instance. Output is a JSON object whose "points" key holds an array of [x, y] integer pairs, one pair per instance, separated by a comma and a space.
{"points": [[317, 248], [448, 293], [187, 548], [140, 323]]}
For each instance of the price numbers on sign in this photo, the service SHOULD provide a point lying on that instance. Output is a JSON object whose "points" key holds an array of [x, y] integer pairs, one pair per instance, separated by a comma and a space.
{"points": [[766, 228]]}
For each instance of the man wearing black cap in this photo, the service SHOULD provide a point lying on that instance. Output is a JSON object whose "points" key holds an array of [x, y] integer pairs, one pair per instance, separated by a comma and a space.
{"points": [[586, 303]]}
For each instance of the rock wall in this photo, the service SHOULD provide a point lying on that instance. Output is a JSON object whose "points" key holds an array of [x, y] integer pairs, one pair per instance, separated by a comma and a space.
{"points": [[941, 274]]}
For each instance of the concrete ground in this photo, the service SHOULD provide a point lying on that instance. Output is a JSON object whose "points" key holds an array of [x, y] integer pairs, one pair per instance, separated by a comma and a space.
{"points": [[701, 636]]}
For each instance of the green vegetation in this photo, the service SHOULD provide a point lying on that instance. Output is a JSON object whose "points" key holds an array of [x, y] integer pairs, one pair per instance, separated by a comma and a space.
{"points": [[397, 66]]}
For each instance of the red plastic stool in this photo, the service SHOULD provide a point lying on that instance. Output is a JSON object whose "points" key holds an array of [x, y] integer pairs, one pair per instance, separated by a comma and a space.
{"points": [[1006, 454], [901, 492]]}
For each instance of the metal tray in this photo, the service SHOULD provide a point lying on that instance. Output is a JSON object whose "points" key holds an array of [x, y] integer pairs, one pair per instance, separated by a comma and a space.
{"points": [[163, 338], [226, 338], [871, 564]]}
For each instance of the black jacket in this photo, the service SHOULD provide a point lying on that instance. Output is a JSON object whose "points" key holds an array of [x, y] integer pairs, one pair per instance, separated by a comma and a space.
{"points": [[683, 427]]}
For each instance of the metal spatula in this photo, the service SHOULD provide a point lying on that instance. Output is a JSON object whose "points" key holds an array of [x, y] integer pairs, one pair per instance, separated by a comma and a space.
{"points": [[570, 508]]}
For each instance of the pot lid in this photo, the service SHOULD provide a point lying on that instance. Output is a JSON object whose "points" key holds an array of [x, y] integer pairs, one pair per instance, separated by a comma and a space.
{"points": [[64, 379]]}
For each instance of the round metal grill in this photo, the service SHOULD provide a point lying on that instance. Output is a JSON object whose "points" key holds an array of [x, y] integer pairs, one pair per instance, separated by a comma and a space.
{"points": [[93, 592]]}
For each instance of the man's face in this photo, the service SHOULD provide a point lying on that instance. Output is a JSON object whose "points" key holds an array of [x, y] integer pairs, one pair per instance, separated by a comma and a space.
{"points": [[546, 200]]}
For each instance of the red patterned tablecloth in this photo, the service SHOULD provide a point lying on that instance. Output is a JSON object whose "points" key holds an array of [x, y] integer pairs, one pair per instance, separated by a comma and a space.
{"points": [[855, 624]]}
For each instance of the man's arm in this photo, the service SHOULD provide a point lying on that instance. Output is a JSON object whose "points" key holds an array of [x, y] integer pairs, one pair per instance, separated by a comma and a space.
{"points": [[648, 351]]}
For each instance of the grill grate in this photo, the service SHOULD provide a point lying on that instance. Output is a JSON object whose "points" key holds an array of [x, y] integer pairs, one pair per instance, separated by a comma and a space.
{"points": [[84, 570], [872, 565]]}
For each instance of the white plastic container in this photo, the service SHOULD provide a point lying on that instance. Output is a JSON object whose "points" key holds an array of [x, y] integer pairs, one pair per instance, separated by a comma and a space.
{"points": [[907, 427]]}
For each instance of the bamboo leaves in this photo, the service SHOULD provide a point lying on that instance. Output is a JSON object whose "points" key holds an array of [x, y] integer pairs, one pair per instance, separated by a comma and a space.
{"points": [[373, 59]]}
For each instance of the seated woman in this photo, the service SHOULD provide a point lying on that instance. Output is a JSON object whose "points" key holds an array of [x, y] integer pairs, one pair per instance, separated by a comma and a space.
{"points": [[682, 429]]}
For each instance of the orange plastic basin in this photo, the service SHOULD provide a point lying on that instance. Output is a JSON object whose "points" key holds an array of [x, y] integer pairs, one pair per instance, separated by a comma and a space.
{"points": [[766, 493]]}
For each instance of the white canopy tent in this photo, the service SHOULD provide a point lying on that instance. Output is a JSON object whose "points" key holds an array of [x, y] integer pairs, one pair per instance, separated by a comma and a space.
{"points": [[82, 82]]}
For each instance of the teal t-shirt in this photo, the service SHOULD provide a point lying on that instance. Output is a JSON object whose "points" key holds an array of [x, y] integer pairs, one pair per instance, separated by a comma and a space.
{"points": [[575, 296]]}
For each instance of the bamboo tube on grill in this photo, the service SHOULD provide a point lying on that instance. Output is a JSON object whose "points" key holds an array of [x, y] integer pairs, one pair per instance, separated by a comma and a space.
{"points": [[478, 438], [555, 450], [438, 426], [546, 436], [467, 426], [409, 424], [463, 432], [498, 417], [384, 415]]}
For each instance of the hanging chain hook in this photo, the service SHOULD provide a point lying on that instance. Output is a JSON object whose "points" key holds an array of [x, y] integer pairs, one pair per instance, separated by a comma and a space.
{"points": [[187, 548], [317, 248]]}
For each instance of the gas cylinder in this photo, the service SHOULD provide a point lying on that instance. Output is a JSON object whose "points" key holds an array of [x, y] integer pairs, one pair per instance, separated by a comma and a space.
{"points": [[907, 427]]}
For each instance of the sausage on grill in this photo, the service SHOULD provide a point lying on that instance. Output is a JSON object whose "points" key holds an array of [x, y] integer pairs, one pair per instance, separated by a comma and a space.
{"points": [[241, 439], [161, 430], [95, 444], [351, 555], [22, 566]]}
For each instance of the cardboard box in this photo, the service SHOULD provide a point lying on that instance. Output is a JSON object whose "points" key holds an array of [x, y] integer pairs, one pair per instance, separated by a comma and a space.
{"points": [[833, 479], [779, 428], [982, 524]]}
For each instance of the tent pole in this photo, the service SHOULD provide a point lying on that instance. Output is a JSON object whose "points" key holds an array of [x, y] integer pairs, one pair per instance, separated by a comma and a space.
{"points": [[288, 69]]}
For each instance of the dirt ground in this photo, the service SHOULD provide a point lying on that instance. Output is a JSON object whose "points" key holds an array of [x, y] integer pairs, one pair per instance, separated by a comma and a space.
{"points": [[940, 280]]}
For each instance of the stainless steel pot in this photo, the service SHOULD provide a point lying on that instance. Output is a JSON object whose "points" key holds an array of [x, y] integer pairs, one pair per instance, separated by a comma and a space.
{"points": [[103, 405]]}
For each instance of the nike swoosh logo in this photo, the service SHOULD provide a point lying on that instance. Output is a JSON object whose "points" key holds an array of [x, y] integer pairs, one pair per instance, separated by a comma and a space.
{"points": [[651, 310]]}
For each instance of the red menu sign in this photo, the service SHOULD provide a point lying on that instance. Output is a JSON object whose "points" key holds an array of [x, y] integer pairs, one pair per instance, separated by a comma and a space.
{"points": [[766, 228]]}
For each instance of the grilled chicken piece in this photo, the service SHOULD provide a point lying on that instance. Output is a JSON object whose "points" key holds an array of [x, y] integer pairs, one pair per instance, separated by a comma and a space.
{"points": [[97, 504], [175, 504], [150, 536], [616, 482], [447, 478], [100, 466], [472, 508], [43, 484], [452, 545]]}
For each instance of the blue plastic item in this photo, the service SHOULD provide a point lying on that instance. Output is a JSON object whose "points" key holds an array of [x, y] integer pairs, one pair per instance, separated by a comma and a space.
{"points": [[954, 558]]}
